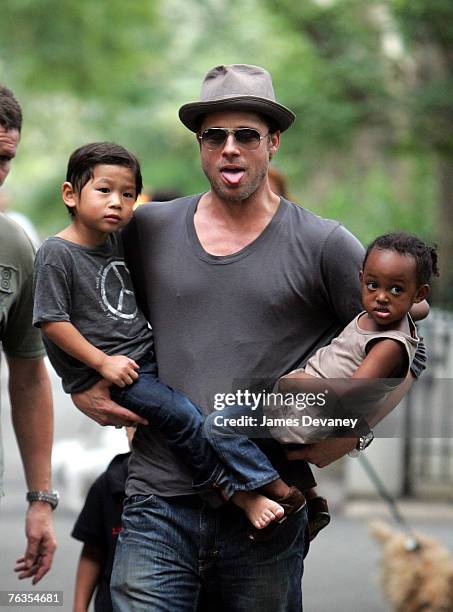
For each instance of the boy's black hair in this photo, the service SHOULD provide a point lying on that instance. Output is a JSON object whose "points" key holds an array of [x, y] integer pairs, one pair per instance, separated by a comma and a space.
{"points": [[10, 110], [425, 255], [84, 159]]}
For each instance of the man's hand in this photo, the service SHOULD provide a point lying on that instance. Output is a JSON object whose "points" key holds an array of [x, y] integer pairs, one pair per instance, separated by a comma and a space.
{"points": [[32, 417], [325, 452], [95, 402], [119, 370], [41, 543]]}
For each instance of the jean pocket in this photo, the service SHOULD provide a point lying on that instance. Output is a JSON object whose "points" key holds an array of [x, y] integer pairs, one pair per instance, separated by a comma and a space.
{"points": [[135, 501]]}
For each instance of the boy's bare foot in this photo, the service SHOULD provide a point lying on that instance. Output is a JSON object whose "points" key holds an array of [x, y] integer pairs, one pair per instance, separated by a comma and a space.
{"points": [[260, 510], [292, 503]]}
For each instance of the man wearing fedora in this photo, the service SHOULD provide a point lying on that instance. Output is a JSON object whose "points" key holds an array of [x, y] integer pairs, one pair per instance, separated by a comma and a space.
{"points": [[240, 287]]}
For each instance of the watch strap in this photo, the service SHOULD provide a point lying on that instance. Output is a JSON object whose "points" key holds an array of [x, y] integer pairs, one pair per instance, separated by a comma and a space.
{"points": [[51, 497]]}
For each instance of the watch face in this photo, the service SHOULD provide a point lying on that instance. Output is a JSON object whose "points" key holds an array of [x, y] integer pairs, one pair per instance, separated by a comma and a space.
{"points": [[365, 441]]}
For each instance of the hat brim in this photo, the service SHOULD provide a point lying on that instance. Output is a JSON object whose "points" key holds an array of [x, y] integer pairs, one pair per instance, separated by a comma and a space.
{"points": [[192, 113]]}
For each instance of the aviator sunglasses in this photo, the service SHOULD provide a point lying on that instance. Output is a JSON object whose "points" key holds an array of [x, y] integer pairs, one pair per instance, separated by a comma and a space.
{"points": [[247, 138]]}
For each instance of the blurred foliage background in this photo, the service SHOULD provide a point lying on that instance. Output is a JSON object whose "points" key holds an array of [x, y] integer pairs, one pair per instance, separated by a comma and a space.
{"points": [[371, 83]]}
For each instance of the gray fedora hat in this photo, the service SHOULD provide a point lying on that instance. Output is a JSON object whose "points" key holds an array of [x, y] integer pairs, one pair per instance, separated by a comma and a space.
{"points": [[236, 87]]}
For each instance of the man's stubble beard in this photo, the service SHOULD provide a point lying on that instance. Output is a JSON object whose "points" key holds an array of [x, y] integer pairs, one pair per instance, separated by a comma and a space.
{"points": [[240, 194]]}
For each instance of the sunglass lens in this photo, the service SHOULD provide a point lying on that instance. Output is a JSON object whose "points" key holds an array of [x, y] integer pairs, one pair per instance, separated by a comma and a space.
{"points": [[248, 137], [214, 138]]}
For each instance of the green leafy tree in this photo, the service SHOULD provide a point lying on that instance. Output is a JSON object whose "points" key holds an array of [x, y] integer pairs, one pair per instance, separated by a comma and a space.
{"points": [[428, 31], [362, 148]]}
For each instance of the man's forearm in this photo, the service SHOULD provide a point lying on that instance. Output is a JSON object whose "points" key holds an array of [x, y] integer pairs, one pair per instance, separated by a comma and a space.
{"points": [[32, 417]]}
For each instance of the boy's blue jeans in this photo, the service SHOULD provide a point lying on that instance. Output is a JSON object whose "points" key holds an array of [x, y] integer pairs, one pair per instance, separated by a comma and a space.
{"points": [[177, 553], [182, 423]]}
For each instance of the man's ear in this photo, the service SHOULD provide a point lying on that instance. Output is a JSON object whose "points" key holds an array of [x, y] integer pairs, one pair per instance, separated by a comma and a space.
{"points": [[360, 275], [422, 293], [274, 143], [68, 194]]}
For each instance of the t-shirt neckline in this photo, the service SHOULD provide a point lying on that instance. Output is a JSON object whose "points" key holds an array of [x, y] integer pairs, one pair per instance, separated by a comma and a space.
{"points": [[105, 247], [365, 332], [247, 250]]}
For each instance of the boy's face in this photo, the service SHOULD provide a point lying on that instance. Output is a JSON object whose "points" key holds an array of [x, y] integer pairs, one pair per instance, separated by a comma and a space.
{"points": [[389, 286], [105, 203]]}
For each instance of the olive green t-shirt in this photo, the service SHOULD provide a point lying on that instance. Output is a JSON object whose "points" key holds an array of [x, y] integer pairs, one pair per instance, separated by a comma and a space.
{"points": [[17, 335]]}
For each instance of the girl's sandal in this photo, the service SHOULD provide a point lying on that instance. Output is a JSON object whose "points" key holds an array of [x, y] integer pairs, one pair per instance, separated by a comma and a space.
{"points": [[318, 515]]}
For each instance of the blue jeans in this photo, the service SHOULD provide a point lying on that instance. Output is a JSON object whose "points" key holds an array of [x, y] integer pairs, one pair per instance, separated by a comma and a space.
{"points": [[181, 422], [239, 447], [177, 553]]}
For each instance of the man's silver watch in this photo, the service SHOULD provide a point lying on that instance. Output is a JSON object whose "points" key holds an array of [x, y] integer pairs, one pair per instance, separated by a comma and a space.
{"points": [[362, 443], [51, 497]]}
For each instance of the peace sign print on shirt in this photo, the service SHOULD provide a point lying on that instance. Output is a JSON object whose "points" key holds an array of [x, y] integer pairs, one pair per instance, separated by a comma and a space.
{"points": [[116, 290]]}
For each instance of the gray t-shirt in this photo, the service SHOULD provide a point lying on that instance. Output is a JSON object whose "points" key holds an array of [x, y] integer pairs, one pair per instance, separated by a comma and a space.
{"points": [[90, 287], [222, 323]]}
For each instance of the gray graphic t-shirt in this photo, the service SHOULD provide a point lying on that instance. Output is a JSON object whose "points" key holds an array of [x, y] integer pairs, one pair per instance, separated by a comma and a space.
{"points": [[91, 288]]}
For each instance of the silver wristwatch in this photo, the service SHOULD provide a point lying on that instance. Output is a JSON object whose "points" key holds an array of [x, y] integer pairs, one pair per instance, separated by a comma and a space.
{"points": [[51, 497], [362, 443]]}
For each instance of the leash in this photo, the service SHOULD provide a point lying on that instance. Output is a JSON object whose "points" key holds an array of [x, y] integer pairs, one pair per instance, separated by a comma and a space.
{"points": [[412, 543]]}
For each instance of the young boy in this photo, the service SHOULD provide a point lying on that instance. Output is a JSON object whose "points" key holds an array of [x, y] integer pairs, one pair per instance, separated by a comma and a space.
{"points": [[98, 526], [92, 328]]}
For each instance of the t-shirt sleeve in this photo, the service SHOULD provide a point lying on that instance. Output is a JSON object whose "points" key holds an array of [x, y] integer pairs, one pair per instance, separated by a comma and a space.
{"points": [[89, 526], [341, 264], [19, 338], [52, 293]]}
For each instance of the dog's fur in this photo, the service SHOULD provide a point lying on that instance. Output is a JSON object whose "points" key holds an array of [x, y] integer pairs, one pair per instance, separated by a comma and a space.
{"points": [[419, 580]]}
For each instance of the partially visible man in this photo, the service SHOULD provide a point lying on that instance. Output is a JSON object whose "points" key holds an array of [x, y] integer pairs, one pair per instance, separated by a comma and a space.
{"points": [[29, 385], [240, 286]]}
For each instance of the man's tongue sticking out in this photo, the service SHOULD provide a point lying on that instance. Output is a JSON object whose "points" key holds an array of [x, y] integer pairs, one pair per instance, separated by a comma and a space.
{"points": [[232, 176]]}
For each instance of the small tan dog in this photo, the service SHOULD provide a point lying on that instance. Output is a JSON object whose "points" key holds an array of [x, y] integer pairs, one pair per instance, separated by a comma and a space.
{"points": [[416, 572]]}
